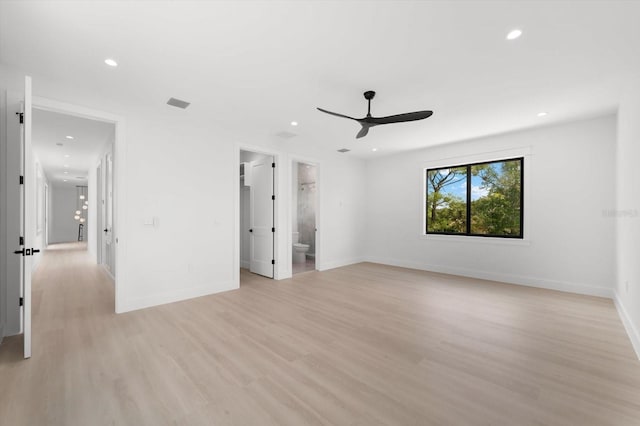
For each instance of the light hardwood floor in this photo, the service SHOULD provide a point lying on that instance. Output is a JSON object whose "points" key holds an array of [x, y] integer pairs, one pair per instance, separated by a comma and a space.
{"points": [[360, 345]]}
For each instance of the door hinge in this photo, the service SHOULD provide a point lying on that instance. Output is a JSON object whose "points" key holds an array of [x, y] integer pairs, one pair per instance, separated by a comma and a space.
{"points": [[273, 229], [21, 302], [273, 197], [21, 241], [273, 165], [21, 180], [273, 261], [20, 116]]}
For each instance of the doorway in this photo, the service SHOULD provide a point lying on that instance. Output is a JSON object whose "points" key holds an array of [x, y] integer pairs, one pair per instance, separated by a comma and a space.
{"points": [[304, 207], [94, 164], [257, 213]]}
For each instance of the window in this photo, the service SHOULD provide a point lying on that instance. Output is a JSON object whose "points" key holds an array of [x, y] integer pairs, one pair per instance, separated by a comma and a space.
{"points": [[480, 199]]}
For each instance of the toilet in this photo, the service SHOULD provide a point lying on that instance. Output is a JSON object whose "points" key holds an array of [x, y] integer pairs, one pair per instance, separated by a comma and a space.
{"points": [[299, 250]]}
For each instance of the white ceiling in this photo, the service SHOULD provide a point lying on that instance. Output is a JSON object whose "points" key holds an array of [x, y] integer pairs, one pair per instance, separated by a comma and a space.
{"points": [[90, 138], [254, 66]]}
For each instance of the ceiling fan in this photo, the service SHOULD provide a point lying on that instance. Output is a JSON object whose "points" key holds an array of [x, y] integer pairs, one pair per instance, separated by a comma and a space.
{"points": [[369, 121]]}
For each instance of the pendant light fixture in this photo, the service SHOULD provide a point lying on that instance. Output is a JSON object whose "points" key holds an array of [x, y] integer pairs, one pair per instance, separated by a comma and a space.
{"points": [[82, 204]]}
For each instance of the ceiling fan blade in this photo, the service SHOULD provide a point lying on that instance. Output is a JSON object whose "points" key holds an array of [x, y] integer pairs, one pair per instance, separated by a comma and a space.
{"points": [[400, 118], [363, 132], [336, 114]]}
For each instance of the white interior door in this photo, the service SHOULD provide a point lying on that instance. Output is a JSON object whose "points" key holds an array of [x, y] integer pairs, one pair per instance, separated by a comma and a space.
{"points": [[109, 248], [261, 237], [99, 207], [27, 216]]}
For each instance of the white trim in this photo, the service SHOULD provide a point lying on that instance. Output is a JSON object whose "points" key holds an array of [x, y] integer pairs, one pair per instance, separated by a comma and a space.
{"points": [[632, 331], [244, 264], [176, 296], [119, 186], [474, 239], [481, 157], [318, 249], [104, 268], [565, 286]]}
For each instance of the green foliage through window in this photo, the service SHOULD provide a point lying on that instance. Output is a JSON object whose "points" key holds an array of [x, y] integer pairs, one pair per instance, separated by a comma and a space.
{"points": [[483, 199]]}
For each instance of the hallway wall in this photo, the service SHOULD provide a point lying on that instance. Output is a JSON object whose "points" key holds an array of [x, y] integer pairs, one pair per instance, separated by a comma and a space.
{"points": [[63, 227], [627, 214], [3, 216]]}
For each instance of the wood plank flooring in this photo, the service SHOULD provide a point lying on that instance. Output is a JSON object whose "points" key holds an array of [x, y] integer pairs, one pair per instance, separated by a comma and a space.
{"points": [[360, 345]]}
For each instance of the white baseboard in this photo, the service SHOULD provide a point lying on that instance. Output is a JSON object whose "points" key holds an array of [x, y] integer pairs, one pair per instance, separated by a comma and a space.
{"points": [[338, 263], [175, 296], [104, 268], [632, 331], [506, 278]]}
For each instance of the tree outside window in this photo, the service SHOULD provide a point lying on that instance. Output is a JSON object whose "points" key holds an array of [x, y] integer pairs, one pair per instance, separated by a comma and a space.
{"points": [[481, 199]]}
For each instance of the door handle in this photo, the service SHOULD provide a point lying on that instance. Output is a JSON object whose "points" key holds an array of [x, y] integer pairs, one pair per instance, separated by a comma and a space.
{"points": [[27, 252], [250, 230], [106, 230]]}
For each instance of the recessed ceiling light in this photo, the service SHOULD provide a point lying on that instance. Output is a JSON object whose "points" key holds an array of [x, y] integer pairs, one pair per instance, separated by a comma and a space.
{"points": [[69, 137], [374, 149], [294, 123], [64, 180], [67, 156], [542, 114], [514, 34], [111, 62], [66, 166]]}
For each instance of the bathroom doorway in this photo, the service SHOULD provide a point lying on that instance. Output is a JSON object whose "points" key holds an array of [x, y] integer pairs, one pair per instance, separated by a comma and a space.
{"points": [[304, 196]]}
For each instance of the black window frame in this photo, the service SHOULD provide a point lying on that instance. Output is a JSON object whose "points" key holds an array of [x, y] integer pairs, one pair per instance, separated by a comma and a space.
{"points": [[468, 232]]}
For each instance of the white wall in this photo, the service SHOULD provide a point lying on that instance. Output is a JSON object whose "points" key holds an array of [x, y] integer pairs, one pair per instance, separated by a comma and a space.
{"points": [[3, 215], [63, 227], [627, 214], [569, 178]]}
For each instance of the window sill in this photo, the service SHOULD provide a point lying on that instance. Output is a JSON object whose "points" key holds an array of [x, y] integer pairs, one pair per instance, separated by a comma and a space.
{"points": [[476, 240]]}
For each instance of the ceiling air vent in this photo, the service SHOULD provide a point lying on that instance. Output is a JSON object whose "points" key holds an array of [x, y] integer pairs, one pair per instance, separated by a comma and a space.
{"points": [[343, 150], [286, 135], [178, 103]]}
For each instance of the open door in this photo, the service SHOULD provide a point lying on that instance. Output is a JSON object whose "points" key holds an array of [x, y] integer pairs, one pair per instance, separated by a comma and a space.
{"points": [[27, 216], [109, 257], [262, 230]]}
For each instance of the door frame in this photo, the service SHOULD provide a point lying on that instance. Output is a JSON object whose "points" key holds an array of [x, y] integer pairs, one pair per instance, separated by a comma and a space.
{"points": [[119, 186], [45, 216], [99, 213], [280, 267], [316, 164]]}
